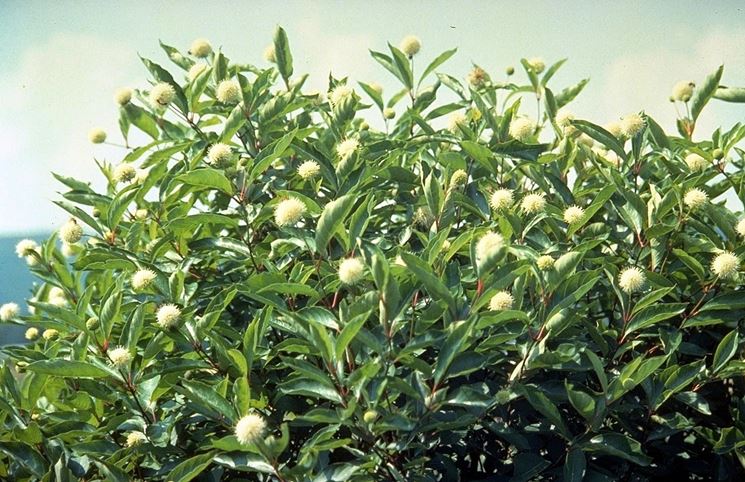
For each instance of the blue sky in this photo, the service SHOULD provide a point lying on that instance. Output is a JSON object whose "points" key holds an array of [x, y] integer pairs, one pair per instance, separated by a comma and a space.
{"points": [[62, 61]]}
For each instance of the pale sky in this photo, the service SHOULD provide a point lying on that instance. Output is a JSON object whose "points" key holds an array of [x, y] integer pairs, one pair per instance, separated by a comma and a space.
{"points": [[61, 62]]}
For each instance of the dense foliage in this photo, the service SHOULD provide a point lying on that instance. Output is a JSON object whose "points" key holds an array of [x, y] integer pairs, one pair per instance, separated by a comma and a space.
{"points": [[271, 289]]}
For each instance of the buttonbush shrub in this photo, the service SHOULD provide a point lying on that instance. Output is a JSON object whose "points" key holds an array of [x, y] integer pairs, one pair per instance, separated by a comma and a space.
{"points": [[425, 284]]}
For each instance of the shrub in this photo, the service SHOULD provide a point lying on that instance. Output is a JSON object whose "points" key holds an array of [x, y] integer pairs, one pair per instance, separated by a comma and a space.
{"points": [[271, 289]]}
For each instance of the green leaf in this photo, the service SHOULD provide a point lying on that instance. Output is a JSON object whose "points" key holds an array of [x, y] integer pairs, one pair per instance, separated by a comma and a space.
{"points": [[541, 402], [209, 178], [67, 369], [730, 94], [654, 314], [403, 66], [725, 351], [581, 401], [141, 119], [26, 456], [705, 92], [441, 59], [432, 283], [618, 445], [450, 348], [282, 53], [575, 466], [602, 136], [208, 397], [331, 219], [190, 223], [190, 468], [602, 197]]}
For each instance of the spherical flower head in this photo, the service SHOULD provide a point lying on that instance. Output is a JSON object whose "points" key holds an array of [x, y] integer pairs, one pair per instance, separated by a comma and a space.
{"points": [[200, 48], [346, 148], [696, 162], [142, 279], [123, 96], [195, 70], [162, 94], [459, 178], [32, 334], [545, 262], [477, 77], [229, 92], [250, 429], [168, 316], [533, 203], [120, 357], [59, 301], [369, 416], [124, 172], [289, 212], [389, 113], [410, 45], [683, 90], [376, 87], [741, 228], [501, 301], [140, 175], [70, 232], [339, 94], [423, 217], [573, 214], [456, 121], [564, 118], [8, 311], [141, 214], [136, 438], [56, 292], [97, 135], [614, 128], [501, 199], [725, 265], [489, 244], [50, 334], [631, 125], [351, 271], [270, 54], [695, 198], [521, 128], [26, 247], [92, 323], [219, 155], [536, 64], [308, 170], [632, 279]]}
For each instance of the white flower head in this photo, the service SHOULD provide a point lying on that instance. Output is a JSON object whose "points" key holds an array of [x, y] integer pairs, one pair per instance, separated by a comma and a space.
{"points": [[351, 271], [501, 301], [135, 438], [124, 172], [533, 203], [683, 90], [537, 64], [346, 148], [195, 70], [695, 198], [141, 214], [270, 54], [339, 94], [250, 429], [725, 265], [289, 212], [521, 128], [162, 94], [26, 247], [564, 117], [308, 169], [123, 96], [631, 125], [142, 279], [50, 334], [71, 232], [200, 48], [97, 135], [410, 45], [696, 162], [573, 214], [489, 244], [219, 155], [741, 228], [614, 128], [545, 262], [32, 334], [229, 92], [8, 311], [477, 77], [632, 279], [501, 199], [457, 120], [168, 316], [458, 178], [120, 357]]}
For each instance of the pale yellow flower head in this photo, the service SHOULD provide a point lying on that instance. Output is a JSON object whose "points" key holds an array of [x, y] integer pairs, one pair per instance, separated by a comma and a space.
{"points": [[573, 214], [614, 128], [459, 178], [123, 96], [533, 203], [168, 316], [521, 128], [695, 198], [9, 311], [142, 279], [250, 429], [135, 438], [289, 212], [545, 262], [410, 45], [229, 92], [489, 244], [219, 155], [631, 125], [120, 357], [71, 232], [457, 120], [340, 93], [683, 90], [200, 48], [26, 247], [346, 148], [351, 271], [97, 135], [50, 334], [696, 162], [124, 172], [162, 94], [32, 334], [308, 169], [632, 279], [501, 301], [537, 64], [501, 199], [741, 228], [725, 265]]}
